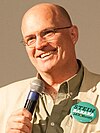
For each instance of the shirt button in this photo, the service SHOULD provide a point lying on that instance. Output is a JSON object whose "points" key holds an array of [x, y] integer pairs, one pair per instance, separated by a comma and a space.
{"points": [[52, 124]]}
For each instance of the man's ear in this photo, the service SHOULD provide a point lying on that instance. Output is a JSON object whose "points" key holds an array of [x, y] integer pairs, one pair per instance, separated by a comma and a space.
{"points": [[74, 34]]}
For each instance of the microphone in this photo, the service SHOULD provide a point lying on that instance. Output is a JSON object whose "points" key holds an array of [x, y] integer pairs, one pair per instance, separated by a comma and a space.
{"points": [[36, 88]]}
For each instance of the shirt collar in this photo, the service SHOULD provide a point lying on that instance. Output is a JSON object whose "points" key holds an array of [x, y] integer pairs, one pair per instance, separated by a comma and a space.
{"points": [[72, 85]]}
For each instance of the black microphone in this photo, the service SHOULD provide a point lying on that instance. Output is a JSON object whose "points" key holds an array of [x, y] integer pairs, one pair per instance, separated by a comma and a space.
{"points": [[36, 88]]}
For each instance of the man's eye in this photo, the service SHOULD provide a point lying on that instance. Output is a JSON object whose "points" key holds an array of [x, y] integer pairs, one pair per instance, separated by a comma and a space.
{"points": [[48, 33], [31, 40]]}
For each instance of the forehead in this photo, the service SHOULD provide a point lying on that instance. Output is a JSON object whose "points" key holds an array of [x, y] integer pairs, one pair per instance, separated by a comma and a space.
{"points": [[41, 17]]}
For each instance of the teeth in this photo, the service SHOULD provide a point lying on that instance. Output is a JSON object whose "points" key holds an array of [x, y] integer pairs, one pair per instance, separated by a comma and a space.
{"points": [[46, 54]]}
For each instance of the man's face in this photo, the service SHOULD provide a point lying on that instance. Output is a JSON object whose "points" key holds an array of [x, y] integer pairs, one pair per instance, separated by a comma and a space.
{"points": [[49, 55]]}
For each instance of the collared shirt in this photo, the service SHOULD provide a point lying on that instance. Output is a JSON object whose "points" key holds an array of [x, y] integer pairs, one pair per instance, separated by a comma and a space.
{"points": [[50, 116], [54, 117]]}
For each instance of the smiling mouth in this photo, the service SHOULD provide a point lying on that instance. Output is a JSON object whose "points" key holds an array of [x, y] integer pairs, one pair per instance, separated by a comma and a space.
{"points": [[47, 53]]}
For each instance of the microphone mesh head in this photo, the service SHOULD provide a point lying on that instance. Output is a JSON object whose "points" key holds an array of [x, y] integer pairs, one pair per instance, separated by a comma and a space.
{"points": [[37, 85]]}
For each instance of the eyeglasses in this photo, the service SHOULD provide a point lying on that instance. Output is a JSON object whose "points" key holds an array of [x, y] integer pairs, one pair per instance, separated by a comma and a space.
{"points": [[46, 34]]}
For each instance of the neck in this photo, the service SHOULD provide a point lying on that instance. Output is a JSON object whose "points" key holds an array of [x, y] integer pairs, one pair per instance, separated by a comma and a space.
{"points": [[56, 77]]}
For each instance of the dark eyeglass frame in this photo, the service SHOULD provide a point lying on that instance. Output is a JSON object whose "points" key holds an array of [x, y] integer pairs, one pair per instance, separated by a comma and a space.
{"points": [[43, 32], [61, 28]]}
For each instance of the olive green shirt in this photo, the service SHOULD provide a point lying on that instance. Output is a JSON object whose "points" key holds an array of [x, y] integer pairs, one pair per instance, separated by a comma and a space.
{"points": [[54, 116], [50, 116]]}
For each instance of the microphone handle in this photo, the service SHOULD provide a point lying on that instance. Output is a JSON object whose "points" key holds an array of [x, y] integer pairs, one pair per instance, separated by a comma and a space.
{"points": [[31, 101]]}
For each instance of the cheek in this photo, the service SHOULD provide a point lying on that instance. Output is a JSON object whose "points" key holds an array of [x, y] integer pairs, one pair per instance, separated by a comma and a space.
{"points": [[66, 45]]}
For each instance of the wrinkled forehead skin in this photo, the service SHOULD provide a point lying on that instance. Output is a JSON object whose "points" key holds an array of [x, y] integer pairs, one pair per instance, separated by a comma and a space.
{"points": [[45, 12]]}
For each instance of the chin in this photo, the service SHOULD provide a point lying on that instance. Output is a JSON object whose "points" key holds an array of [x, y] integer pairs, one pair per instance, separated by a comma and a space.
{"points": [[44, 69]]}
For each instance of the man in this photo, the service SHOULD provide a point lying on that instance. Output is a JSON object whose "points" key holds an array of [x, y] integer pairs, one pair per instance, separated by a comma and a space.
{"points": [[50, 39]]}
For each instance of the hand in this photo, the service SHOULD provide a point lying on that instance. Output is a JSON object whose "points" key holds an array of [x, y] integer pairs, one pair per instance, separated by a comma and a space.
{"points": [[19, 122]]}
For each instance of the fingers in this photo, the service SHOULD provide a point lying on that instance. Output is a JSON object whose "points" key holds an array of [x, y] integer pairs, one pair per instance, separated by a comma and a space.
{"points": [[19, 121], [23, 112]]}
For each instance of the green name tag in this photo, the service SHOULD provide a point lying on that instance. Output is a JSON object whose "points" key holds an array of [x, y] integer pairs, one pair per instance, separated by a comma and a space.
{"points": [[84, 112]]}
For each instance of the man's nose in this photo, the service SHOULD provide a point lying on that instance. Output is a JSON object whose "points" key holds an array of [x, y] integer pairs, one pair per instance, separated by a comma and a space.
{"points": [[40, 42]]}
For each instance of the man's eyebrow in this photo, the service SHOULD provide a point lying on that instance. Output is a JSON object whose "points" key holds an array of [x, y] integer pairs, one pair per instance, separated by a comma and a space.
{"points": [[31, 35], [48, 28]]}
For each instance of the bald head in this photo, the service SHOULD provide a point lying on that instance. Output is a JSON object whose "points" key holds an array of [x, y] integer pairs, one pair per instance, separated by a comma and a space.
{"points": [[49, 11], [50, 37]]}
